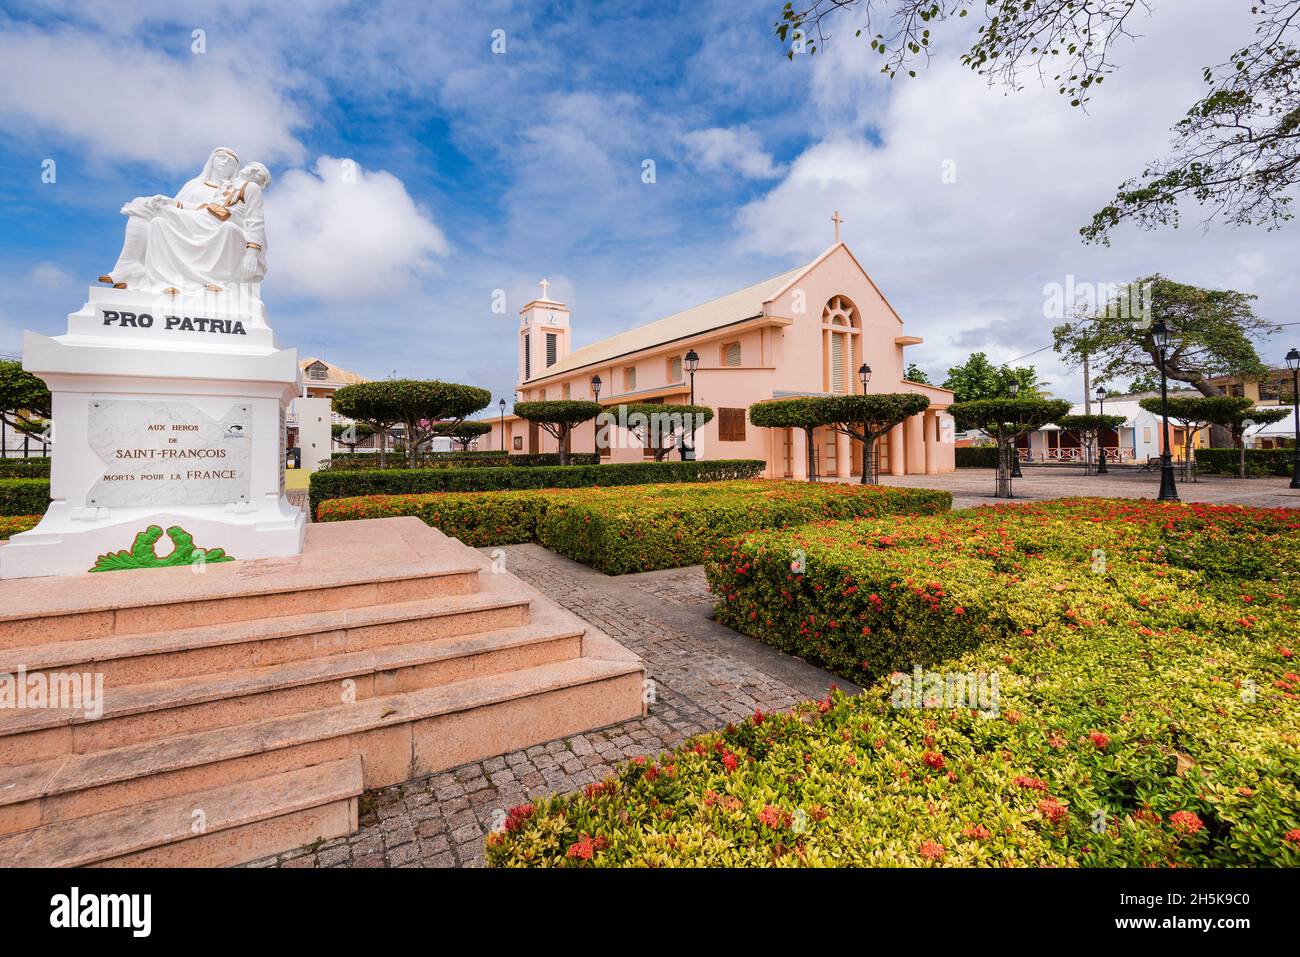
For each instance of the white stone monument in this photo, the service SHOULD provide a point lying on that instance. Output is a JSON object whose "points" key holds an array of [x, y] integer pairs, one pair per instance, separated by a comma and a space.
{"points": [[169, 395]]}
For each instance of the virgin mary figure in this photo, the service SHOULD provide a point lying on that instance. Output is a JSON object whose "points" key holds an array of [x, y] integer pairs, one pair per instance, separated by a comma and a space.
{"points": [[212, 184]]}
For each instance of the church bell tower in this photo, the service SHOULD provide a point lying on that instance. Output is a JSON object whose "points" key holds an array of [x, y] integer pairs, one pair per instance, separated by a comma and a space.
{"points": [[543, 335]]}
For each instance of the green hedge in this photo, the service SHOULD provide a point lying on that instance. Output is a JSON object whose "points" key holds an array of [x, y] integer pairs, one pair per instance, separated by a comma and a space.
{"points": [[347, 484], [641, 527], [1135, 702], [24, 496], [1259, 462], [553, 458], [674, 527], [34, 467], [977, 457]]}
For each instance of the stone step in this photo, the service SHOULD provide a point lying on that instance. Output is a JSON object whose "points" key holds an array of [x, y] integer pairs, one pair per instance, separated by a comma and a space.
{"points": [[220, 826], [342, 567], [399, 736], [146, 712], [207, 649]]}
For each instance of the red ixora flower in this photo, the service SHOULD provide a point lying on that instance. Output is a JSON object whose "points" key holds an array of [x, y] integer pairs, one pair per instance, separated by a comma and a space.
{"points": [[977, 832], [516, 817], [1292, 836], [582, 849], [1100, 740], [1052, 809], [932, 850], [934, 759], [1034, 784], [1186, 821]]}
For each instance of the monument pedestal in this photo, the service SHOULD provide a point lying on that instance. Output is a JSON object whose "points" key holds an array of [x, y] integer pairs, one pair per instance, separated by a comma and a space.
{"points": [[168, 412]]}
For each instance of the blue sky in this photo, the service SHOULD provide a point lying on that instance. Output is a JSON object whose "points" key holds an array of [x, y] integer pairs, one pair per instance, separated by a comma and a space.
{"points": [[482, 170]]}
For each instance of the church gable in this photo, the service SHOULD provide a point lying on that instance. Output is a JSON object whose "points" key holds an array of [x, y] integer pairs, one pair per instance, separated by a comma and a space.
{"points": [[836, 274]]}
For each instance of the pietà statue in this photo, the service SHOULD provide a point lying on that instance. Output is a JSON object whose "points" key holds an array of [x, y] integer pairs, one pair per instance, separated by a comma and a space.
{"points": [[210, 235]]}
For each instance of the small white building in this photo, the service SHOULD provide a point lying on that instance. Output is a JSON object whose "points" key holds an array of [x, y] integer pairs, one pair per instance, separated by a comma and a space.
{"points": [[1135, 441], [311, 418]]}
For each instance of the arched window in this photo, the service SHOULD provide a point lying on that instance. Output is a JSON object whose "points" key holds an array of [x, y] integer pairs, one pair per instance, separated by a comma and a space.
{"points": [[839, 314]]}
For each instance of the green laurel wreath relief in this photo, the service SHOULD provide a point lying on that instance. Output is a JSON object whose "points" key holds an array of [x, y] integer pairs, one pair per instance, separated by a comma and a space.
{"points": [[143, 555]]}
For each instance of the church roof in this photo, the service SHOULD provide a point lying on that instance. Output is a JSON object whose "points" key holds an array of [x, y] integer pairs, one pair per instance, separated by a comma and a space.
{"points": [[734, 307], [333, 373]]}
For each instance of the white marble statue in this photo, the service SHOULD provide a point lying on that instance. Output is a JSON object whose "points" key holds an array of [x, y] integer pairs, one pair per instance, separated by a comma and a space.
{"points": [[211, 234]]}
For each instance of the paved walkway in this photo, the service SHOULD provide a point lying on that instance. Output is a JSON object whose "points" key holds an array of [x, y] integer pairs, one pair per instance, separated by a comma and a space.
{"points": [[972, 487], [704, 676]]}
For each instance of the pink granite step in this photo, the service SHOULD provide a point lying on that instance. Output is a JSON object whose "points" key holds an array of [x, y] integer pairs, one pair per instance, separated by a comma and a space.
{"points": [[399, 736], [162, 655], [146, 712], [398, 563], [220, 826]]}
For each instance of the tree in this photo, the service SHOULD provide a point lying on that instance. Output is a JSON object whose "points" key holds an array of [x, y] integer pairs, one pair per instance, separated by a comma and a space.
{"points": [[1211, 333], [462, 433], [1089, 428], [977, 378], [1006, 420], [352, 434], [372, 404], [1236, 152], [865, 418], [660, 426], [24, 400], [1192, 412], [915, 373], [559, 417], [1146, 382], [1237, 415], [794, 413], [418, 404]]}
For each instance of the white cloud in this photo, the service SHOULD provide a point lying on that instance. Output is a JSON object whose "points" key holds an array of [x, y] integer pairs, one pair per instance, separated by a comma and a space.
{"points": [[123, 100], [738, 149], [341, 231], [48, 275]]}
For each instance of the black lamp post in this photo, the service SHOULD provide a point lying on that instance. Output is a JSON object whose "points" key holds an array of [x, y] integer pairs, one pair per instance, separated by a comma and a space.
{"points": [[1168, 491], [1293, 363], [502, 406], [595, 423], [1101, 444], [1014, 388], [692, 361], [864, 375]]}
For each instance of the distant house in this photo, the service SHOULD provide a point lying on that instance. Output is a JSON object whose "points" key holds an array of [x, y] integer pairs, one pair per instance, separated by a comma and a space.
{"points": [[1137, 439], [310, 421]]}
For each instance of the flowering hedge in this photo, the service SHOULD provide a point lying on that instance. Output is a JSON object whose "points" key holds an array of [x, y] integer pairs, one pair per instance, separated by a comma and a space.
{"points": [[673, 526], [635, 528], [1144, 713], [13, 524]]}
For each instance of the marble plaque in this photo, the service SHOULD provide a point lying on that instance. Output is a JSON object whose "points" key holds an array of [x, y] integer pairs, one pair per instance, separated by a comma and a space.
{"points": [[168, 453]]}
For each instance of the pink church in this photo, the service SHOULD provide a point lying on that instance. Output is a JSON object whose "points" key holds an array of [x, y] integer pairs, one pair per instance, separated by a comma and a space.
{"points": [[805, 332]]}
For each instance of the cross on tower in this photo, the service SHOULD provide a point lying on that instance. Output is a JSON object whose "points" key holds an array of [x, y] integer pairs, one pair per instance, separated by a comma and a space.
{"points": [[836, 219], [545, 284]]}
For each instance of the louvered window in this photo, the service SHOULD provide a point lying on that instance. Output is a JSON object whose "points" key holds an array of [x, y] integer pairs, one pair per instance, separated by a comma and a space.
{"points": [[551, 346], [675, 369], [629, 379], [731, 354], [528, 356], [731, 425], [837, 361]]}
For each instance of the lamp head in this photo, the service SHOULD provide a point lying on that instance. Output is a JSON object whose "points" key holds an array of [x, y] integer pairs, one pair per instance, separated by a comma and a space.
{"points": [[864, 373], [1293, 360], [692, 360]]}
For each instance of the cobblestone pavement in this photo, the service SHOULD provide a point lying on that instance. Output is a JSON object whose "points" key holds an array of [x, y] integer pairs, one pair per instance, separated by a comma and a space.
{"points": [[704, 675], [972, 487]]}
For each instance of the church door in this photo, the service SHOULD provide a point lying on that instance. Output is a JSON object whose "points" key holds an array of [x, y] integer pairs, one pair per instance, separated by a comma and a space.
{"points": [[532, 438]]}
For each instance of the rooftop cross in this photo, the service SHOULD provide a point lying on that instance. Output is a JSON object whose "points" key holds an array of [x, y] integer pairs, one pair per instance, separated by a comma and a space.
{"points": [[836, 219], [545, 284]]}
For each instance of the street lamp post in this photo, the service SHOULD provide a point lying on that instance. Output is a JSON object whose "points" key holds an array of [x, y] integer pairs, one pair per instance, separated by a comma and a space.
{"points": [[692, 361], [595, 423], [502, 406], [1101, 444], [1014, 388], [1168, 491], [864, 375], [1293, 363]]}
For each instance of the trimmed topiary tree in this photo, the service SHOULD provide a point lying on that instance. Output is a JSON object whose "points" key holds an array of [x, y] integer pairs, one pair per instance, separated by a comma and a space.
{"points": [[660, 426], [462, 433], [1237, 414], [1190, 412], [24, 400], [865, 418], [559, 417], [352, 434], [1006, 420], [371, 404], [793, 413]]}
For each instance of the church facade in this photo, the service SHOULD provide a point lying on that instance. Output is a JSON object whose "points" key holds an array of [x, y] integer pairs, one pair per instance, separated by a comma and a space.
{"points": [[805, 332]]}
